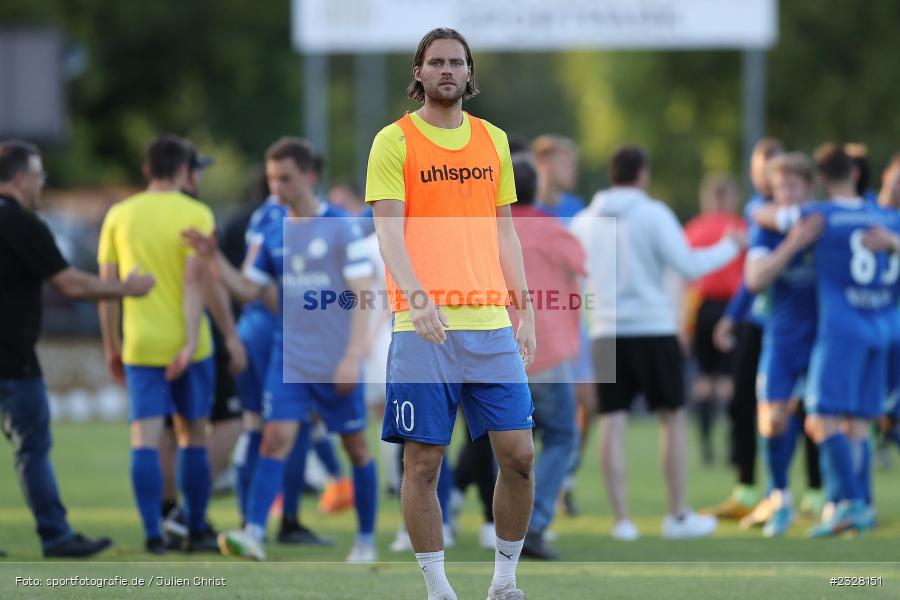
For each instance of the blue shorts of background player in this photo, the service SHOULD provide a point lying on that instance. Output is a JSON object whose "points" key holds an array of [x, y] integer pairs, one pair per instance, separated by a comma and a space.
{"points": [[256, 329], [782, 371], [847, 378], [481, 370], [190, 396], [341, 413]]}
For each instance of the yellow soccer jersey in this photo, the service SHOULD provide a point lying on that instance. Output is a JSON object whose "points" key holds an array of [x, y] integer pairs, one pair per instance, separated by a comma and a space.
{"points": [[385, 181], [144, 231]]}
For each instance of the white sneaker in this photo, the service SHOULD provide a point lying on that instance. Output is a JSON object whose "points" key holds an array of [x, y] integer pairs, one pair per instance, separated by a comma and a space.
{"points": [[625, 531], [401, 542], [242, 544], [691, 525], [507, 593], [362, 553], [449, 538], [828, 511], [487, 537]]}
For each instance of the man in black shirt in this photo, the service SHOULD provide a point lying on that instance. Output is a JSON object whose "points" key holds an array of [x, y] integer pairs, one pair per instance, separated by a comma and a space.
{"points": [[28, 257]]}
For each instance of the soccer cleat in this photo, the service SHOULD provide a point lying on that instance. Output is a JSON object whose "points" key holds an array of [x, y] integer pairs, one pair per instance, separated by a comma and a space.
{"points": [[292, 532], [156, 545], [338, 496], [625, 531], [828, 511], [690, 525], [759, 515], [507, 593], [77, 546], [812, 503], [362, 553], [779, 522], [847, 516], [735, 507], [205, 541], [174, 528], [241, 544], [868, 520], [487, 537], [401, 542]]}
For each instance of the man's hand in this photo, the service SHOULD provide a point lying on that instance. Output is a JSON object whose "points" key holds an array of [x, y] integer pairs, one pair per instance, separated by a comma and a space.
{"points": [[806, 231], [525, 337], [428, 320], [204, 245], [181, 362], [237, 355], [738, 236], [878, 239], [723, 335], [346, 376], [137, 285], [115, 368]]}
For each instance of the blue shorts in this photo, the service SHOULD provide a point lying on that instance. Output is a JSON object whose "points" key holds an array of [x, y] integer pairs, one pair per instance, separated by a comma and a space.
{"points": [[297, 401], [481, 370], [846, 378], [782, 371], [190, 396], [256, 329]]}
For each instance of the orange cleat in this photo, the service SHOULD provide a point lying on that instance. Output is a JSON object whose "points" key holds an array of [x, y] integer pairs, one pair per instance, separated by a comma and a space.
{"points": [[338, 496]]}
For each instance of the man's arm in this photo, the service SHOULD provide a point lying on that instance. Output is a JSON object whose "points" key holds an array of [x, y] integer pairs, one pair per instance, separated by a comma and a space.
{"points": [[241, 288], [110, 313], [219, 305], [692, 263], [192, 310], [427, 319], [78, 285], [762, 269], [513, 268], [346, 376]]}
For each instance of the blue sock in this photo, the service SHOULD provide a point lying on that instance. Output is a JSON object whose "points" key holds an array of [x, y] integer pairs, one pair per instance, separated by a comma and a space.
{"points": [[779, 453], [838, 449], [444, 487], [295, 473], [246, 468], [365, 499], [862, 455], [267, 479], [195, 483], [324, 448], [146, 481], [829, 478]]}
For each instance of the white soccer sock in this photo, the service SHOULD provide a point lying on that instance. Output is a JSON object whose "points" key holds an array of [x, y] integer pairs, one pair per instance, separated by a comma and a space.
{"points": [[255, 531], [432, 565], [506, 558]]}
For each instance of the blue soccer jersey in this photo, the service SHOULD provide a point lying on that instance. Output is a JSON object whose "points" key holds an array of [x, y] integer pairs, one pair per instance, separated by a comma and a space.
{"points": [[855, 289], [790, 329], [312, 261], [270, 211]]}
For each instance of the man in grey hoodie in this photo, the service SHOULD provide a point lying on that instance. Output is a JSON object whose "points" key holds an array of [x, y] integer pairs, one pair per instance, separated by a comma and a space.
{"points": [[631, 241]]}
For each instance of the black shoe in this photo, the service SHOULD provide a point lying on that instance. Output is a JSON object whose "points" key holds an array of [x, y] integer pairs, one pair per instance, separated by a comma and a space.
{"points": [[292, 532], [536, 547], [571, 507], [206, 541], [174, 524], [78, 546], [155, 545]]}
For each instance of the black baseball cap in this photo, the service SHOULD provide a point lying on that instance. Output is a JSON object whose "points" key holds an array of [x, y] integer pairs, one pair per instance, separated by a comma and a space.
{"points": [[198, 161]]}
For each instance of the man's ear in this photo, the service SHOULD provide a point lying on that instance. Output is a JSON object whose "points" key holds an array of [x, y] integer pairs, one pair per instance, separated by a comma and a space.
{"points": [[417, 73]]}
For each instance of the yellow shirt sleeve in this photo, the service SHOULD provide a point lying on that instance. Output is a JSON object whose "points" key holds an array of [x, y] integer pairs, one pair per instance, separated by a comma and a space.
{"points": [[506, 191], [384, 175], [106, 252]]}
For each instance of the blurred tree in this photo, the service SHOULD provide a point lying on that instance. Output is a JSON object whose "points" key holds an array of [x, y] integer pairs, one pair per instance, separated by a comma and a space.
{"points": [[224, 73]]}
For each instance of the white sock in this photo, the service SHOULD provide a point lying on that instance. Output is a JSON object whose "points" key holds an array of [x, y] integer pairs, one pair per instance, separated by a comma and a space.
{"points": [[506, 558], [432, 565], [255, 531]]}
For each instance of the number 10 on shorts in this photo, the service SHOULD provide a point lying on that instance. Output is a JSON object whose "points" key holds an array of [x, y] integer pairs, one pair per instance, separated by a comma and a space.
{"points": [[404, 418]]}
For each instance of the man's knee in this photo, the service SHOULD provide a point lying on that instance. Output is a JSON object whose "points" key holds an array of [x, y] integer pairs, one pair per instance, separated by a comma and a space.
{"points": [[276, 442], [357, 448], [518, 460], [422, 465]]}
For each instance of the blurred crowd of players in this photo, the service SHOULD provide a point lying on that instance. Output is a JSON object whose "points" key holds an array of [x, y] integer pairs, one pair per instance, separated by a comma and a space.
{"points": [[799, 337]]}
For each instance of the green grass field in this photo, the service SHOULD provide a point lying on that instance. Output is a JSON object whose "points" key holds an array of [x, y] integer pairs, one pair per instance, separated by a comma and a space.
{"points": [[92, 465]]}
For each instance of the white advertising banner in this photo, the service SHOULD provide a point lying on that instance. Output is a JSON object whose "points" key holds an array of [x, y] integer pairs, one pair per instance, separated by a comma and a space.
{"points": [[360, 26]]}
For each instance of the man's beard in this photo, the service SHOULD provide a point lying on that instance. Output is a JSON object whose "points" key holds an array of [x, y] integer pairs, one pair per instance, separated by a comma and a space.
{"points": [[437, 97]]}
